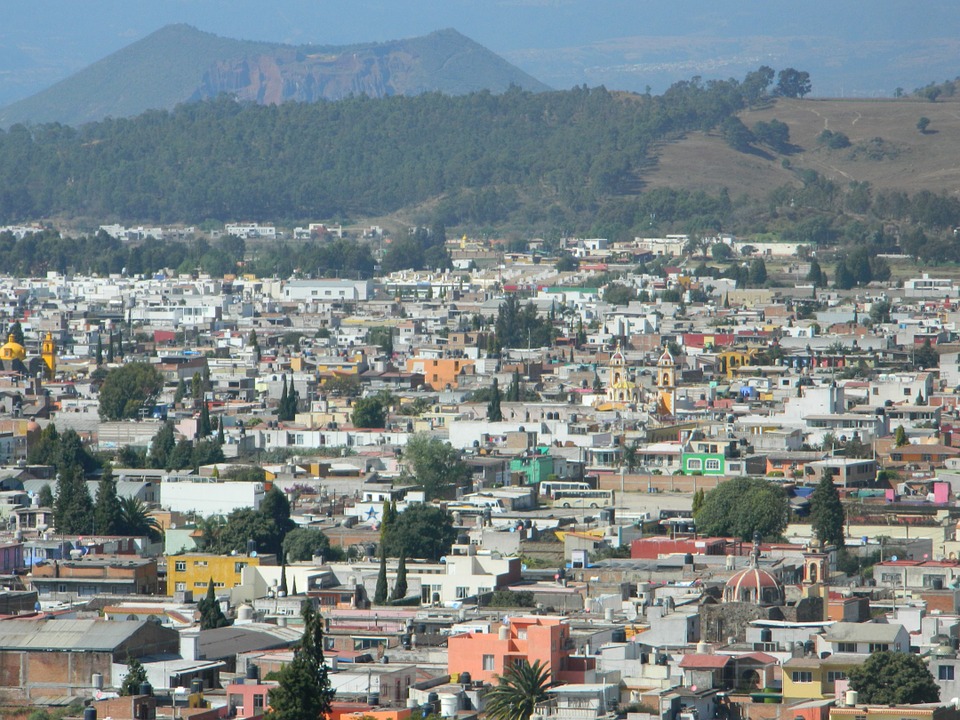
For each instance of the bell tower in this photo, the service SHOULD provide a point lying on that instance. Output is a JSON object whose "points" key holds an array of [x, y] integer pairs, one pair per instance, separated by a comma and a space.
{"points": [[816, 573], [666, 383], [48, 353]]}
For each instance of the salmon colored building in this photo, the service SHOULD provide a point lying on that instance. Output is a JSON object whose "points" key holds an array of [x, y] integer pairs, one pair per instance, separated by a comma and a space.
{"points": [[543, 637], [438, 373]]}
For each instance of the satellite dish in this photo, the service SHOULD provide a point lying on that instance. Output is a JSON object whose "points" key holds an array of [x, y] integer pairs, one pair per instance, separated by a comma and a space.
{"points": [[631, 613], [893, 559]]}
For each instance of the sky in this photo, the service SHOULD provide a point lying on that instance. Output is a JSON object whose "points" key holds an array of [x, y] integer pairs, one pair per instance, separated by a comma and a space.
{"points": [[856, 47]]}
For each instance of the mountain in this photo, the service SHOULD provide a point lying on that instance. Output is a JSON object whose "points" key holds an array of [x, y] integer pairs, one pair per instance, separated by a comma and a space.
{"points": [[179, 63]]}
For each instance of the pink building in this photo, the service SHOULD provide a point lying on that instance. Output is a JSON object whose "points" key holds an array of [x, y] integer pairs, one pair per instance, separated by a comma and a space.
{"points": [[543, 637]]}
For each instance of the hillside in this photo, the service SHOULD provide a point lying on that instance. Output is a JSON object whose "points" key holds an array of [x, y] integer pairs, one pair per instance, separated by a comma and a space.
{"points": [[179, 63], [906, 159]]}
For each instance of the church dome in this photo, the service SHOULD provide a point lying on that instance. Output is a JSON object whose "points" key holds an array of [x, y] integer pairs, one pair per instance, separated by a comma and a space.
{"points": [[755, 586], [12, 350]]}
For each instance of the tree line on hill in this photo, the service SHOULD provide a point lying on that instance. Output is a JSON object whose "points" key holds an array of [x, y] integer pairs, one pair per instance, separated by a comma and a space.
{"points": [[482, 155]]}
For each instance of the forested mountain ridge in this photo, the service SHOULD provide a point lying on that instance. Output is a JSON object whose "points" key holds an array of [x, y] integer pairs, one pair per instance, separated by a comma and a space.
{"points": [[701, 158], [179, 63], [480, 156]]}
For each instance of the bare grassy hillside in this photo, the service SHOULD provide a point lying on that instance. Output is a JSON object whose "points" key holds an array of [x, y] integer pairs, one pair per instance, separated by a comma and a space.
{"points": [[902, 158]]}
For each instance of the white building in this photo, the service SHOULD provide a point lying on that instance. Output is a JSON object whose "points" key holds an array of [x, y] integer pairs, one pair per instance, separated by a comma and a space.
{"points": [[208, 496], [326, 291]]}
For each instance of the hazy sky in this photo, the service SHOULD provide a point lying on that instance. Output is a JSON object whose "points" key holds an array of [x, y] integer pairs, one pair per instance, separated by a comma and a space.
{"points": [[562, 42]]}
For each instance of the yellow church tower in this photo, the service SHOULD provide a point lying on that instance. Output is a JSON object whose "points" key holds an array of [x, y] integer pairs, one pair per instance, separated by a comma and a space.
{"points": [[48, 353], [666, 384], [621, 391]]}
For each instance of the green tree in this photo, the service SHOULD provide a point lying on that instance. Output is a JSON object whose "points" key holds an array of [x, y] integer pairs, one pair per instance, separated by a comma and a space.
{"points": [[893, 678], [162, 446], [758, 272], [742, 506], [211, 614], [106, 507], [16, 330], [368, 412], [136, 521], [698, 498], [617, 294], [45, 496], [135, 677], [303, 690], [180, 393], [926, 357], [922, 125], [400, 586], [793, 83], [204, 429], [127, 389], [380, 594], [519, 690], [512, 598], [900, 437], [815, 275], [826, 513], [736, 134], [99, 350], [276, 507], [494, 413], [434, 465], [304, 543], [72, 508], [420, 531], [721, 252]]}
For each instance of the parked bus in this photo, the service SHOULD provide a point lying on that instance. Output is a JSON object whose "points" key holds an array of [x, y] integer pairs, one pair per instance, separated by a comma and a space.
{"points": [[550, 487], [583, 498]]}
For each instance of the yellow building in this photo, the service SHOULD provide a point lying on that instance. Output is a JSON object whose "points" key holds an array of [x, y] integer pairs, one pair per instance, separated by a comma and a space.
{"points": [[14, 357], [193, 571], [666, 380], [814, 678]]}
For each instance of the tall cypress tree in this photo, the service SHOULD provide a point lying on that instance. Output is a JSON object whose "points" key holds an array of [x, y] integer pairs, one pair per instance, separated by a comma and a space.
{"points": [[826, 512], [380, 595], [494, 414], [73, 508], [106, 509], [303, 691], [211, 614], [400, 587]]}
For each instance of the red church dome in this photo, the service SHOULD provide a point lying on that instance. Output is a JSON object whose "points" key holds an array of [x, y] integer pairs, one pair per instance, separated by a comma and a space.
{"points": [[755, 586]]}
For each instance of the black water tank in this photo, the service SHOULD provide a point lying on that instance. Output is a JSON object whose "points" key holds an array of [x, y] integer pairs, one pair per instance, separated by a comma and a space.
{"points": [[145, 689], [196, 686], [433, 698], [253, 672], [251, 546], [766, 635], [688, 559], [465, 678], [619, 635], [89, 713]]}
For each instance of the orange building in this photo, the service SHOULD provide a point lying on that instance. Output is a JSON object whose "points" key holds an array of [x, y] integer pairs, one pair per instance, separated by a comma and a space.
{"points": [[543, 637], [440, 372]]}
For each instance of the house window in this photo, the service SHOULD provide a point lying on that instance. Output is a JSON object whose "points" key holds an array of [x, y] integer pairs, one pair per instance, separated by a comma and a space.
{"points": [[847, 647], [488, 663], [834, 675], [463, 592], [258, 703], [906, 392], [712, 465], [801, 676], [200, 563], [238, 567], [945, 672], [694, 464], [180, 586], [879, 647], [180, 566]]}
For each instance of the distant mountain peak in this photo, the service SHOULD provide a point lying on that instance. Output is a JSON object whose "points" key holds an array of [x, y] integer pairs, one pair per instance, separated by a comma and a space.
{"points": [[179, 63]]}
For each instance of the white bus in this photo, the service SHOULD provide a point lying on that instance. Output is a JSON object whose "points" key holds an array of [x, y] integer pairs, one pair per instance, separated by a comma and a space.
{"points": [[550, 487], [583, 498]]}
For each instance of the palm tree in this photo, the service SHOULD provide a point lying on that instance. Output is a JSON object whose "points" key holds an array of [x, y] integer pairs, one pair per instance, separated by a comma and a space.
{"points": [[136, 521], [519, 690]]}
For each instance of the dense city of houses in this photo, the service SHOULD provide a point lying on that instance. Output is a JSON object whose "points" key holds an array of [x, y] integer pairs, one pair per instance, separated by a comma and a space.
{"points": [[579, 498]]}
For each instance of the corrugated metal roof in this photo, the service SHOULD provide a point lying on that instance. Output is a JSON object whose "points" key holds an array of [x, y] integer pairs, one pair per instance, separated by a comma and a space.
{"points": [[103, 635]]}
